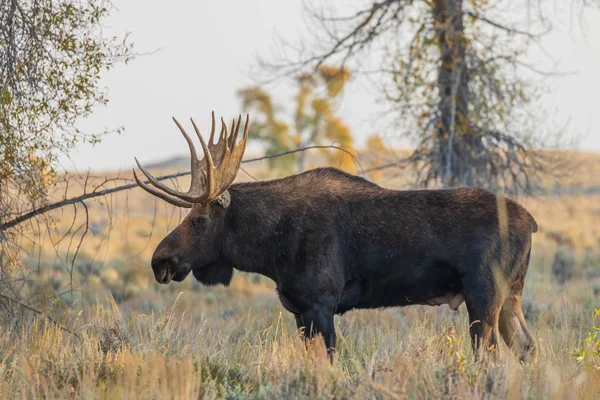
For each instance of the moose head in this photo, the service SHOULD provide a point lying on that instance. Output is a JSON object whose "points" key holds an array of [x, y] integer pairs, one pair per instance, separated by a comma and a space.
{"points": [[194, 246]]}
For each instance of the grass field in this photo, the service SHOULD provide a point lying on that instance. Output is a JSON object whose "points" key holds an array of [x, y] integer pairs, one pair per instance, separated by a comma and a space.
{"points": [[137, 339]]}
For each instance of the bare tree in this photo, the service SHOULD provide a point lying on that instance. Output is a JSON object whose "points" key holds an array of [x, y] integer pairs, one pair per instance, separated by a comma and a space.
{"points": [[453, 70]]}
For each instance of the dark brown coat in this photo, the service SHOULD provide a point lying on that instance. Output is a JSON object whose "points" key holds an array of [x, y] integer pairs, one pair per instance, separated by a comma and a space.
{"points": [[333, 242]]}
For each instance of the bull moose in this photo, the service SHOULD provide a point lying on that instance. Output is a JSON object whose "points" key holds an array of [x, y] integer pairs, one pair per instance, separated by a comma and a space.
{"points": [[334, 242]]}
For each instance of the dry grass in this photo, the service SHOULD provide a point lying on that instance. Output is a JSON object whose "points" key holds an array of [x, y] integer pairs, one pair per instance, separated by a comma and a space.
{"points": [[242, 349], [138, 339]]}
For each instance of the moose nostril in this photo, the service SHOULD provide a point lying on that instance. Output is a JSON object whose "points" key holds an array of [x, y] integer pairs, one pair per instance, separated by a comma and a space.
{"points": [[161, 275], [164, 266], [164, 262]]}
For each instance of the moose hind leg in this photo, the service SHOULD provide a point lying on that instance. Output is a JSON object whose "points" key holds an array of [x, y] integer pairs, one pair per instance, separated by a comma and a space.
{"points": [[318, 321], [514, 330], [484, 296]]}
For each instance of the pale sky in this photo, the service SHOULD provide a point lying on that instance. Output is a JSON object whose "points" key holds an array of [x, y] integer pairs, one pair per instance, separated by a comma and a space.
{"points": [[205, 49]]}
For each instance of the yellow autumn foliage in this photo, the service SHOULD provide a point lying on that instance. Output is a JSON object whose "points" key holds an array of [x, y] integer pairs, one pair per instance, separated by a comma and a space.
{"points": [[314, 120]]}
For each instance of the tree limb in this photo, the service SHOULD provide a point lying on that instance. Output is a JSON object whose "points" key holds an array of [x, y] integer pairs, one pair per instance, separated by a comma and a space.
{"points": [[87, 196], [38, 312]]}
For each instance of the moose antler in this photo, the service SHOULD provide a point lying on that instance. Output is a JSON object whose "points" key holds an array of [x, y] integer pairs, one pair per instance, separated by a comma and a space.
{"points": [[213, 174]]}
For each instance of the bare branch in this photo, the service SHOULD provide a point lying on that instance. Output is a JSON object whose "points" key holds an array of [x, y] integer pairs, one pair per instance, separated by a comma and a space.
{"points": [[91, 195], [495, 24], [38, 312]]}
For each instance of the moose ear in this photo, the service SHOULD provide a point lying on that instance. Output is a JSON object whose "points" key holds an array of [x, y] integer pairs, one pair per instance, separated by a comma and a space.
{"points": [[224, 199]]}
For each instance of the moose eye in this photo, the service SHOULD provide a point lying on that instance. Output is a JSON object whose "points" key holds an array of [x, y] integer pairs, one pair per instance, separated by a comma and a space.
{"points": [[198, 222]]}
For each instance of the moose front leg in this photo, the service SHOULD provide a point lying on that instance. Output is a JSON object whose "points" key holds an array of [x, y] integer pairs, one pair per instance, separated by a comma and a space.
{"points": [[318, 321]]}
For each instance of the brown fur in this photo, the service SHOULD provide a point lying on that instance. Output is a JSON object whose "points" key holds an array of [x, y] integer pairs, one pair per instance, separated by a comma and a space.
{"points": [[333, 242]]}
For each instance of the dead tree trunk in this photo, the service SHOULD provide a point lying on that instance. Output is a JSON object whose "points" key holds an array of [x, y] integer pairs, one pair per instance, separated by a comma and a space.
{"points": [[457, 143]]}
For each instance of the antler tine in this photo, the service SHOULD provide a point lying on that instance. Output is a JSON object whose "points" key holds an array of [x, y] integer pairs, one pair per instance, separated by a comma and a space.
{"points": [[234, 136], [224, 131], [154, 191], [210, 166], [233, 126], [196, 184], [187, 139], [224, 138], [246, 128], [161, 186], [212, 129]]}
